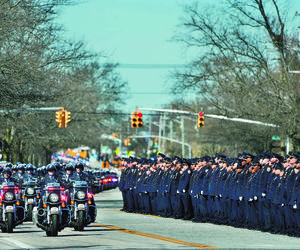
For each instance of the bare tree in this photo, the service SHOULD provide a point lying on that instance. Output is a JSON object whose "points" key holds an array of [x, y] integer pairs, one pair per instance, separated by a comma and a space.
{"points": [[38, 68], [243, 66]]}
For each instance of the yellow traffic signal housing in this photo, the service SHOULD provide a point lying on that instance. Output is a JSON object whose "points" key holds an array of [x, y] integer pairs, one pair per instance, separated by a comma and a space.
{"points": [[139, 122], [134, 120], [201, 119], [58, 118], [63, 120], [67, 117]]}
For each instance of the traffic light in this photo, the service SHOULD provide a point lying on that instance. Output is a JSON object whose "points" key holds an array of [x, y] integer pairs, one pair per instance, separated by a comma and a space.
{"points": [[127, 142], [136, 119], [201, 119], [59, 118], [155, 143], [67, 117], [63, 120], [115, 137], [139, 119], [133, 120]]}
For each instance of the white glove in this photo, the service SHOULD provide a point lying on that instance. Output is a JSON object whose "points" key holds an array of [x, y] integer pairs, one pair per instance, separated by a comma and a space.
{"points": [[201, 192], [282, 204], [220, 195], [255, 198], [250, 199], [183, 190], [241, 198], [177, 192], [295, 206], [263, 195]]}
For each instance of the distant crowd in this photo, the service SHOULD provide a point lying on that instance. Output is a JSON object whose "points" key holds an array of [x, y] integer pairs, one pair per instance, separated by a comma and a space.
{"points": [[256, 192]]}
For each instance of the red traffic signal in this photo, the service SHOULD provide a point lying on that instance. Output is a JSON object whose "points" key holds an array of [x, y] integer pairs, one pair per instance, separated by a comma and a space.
{"points": [[137, 119], [201, 119]]}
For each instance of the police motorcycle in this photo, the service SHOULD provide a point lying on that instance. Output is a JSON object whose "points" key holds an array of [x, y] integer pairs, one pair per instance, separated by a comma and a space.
{"points": [[54, 215], [30, 196], [11, 212], [82, 207]]}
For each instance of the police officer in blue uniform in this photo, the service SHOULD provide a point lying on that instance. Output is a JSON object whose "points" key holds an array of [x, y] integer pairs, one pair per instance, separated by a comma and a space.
{"points": [[183, 187]]}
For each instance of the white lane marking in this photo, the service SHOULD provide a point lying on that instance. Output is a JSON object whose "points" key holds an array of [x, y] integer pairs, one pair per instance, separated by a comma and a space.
{"points": [[19, 243]]}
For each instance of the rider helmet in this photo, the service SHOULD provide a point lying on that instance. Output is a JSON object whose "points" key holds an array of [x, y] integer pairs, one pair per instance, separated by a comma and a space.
{"points": [[29, 167], [51, 167], [69, 167], [79, 165]]}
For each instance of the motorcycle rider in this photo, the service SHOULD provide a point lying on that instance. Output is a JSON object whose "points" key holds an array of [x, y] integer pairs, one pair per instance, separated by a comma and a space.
{"points": [[51, 176], [29, 172], [7, 176], [14, 170], [21, 172], [79, 175], [68, 176]]}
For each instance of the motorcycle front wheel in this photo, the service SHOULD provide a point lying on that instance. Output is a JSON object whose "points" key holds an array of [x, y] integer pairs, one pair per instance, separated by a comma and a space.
{"points": [[29, 212], [10, 222], [53, 225], [81, 220]]}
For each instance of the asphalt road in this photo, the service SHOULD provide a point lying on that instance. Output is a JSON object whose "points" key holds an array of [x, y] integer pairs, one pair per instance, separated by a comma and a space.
{"points": [[114, 229]]}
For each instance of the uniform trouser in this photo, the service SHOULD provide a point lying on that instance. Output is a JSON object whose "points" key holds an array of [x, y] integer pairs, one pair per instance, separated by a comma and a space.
{"points": [[281, 218], [137, 201], [223, 209], [240, 213], [234, 212], [266, 214], [253, 214], [203, 199], [146, 203], [125, 203], [218, 207], [175, 202], [153, 201], [273, 212], [167, 204], [187, 205], [160, 203], [290, 218], [227, 209], [296, 214], [130, 200], [194, 200], [210, 207], [278, 212]]}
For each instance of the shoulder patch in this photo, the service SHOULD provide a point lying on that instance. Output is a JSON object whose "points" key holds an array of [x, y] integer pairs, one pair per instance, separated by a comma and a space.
{"points": [[206, 170], [269, 169]]}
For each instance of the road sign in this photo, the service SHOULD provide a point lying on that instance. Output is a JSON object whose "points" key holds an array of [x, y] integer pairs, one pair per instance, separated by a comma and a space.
{"points": [[275, 138]]}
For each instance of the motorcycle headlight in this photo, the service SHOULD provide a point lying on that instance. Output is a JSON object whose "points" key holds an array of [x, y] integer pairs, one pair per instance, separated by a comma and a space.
{"points": [[53, 197], [30, 190], [80, 195], [9, 196]]}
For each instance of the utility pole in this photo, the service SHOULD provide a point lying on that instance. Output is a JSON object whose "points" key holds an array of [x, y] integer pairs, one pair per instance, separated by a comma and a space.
{"points": [[149, 141], [160, 129], [182, 137], [163, 133]]}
